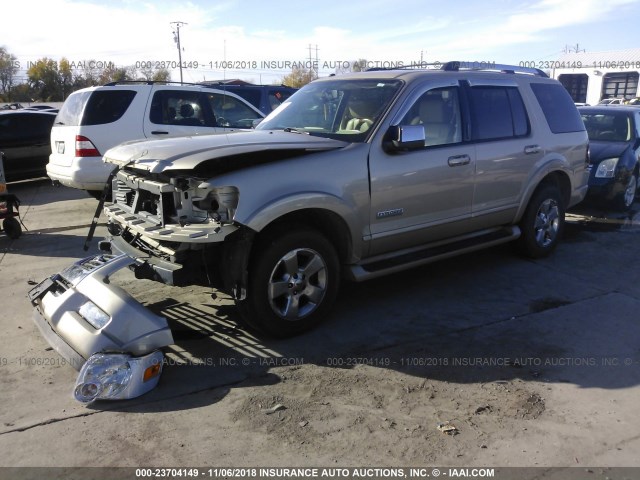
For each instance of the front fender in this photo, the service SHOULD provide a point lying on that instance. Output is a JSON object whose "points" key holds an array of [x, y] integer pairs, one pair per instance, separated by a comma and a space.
{"points": [[260, 218]]}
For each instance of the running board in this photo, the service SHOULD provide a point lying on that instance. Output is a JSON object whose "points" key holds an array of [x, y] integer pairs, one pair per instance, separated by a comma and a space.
{"points": [[389, 263]]}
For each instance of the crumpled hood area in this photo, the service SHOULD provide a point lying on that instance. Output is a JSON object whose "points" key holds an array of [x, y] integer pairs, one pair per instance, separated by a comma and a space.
{"points": [[185, 153]]}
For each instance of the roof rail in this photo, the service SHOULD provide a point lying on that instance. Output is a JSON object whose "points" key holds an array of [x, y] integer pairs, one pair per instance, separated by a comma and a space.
{"points": [[410, 66], [492, 67], [146, 82]]}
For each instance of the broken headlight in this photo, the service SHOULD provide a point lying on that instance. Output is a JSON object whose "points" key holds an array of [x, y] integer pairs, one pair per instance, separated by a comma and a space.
{"points": [[117, 376], [220, 203]]}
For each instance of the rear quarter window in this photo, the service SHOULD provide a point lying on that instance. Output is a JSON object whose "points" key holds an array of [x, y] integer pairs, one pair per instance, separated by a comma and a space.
{"points": [[106, 106], [558, 108], [71, 112]]}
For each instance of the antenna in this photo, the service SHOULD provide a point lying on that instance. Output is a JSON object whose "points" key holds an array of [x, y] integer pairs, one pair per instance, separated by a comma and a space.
{"points": [[176, 38]]}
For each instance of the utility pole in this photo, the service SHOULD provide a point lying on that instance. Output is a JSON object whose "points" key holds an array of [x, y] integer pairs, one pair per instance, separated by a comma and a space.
{"points": [[313, 72], [176, 38], [572, 49]]}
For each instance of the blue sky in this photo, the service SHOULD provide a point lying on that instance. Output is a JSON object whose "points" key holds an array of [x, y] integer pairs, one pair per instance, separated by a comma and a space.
{"points": [[127, 32]]}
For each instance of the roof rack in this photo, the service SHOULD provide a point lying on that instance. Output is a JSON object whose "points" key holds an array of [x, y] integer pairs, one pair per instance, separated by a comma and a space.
{"points": [[146, 82], [457, 66], [410, 66], [491, 67], [207, 83]]}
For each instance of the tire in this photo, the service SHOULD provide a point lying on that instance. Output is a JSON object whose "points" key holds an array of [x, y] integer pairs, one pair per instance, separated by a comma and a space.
{"points": [[542, 223], [293, 282], [11, 227], [625, 199]]}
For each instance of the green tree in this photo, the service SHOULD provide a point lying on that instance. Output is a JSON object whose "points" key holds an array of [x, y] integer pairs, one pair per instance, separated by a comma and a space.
{"points": [[66, 77], [299, 77], [22, 92], [117, 74], [45, 80], [161, 75], [89, 75], [8, 69], [359, 65]]}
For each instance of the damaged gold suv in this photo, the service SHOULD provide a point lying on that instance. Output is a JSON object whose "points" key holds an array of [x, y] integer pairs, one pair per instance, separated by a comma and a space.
{"points": [[354, 177]]}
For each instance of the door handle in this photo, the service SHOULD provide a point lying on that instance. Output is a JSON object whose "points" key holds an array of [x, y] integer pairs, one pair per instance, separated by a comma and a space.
{"points": [[459, 160], [159, 132], [529, 149]]}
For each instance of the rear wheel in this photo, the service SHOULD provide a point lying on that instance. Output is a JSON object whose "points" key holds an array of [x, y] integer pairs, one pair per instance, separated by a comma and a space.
{"points": [[11, 227], [542, 223], [293, 282]]}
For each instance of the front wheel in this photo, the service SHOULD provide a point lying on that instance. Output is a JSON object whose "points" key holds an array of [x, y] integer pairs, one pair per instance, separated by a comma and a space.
{"points": [[542, 223], [293, 282], [626, 198]]}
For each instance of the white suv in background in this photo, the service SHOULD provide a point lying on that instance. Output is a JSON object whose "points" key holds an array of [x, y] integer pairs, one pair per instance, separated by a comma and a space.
{"points": [[94, 119]]}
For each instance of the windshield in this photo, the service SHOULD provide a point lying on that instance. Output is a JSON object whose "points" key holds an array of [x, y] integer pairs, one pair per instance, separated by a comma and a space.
{"points": [[608, 127], [340, 109]]}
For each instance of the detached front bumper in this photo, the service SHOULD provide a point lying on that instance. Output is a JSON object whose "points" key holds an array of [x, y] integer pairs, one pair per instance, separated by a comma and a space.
{"points": [[80, 313]]}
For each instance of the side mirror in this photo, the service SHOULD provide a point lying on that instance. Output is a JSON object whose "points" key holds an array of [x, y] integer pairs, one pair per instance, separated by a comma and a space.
{"points": [[636, 145], [405, 137]]}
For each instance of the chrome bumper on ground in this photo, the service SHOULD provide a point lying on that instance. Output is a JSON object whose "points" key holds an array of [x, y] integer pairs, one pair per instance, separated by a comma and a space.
{"points": [[113, 322]]}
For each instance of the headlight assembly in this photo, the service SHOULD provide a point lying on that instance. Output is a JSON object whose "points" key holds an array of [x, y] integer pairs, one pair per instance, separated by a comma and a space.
{"points": [[116, 376], [606, 168]]}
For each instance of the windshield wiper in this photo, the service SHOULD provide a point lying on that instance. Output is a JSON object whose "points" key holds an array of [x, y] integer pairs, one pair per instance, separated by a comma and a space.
{"points": [[295, 130]]}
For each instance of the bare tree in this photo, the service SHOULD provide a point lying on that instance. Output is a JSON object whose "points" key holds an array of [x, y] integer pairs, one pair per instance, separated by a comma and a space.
{"points": [[155, 74], [8, 69]]}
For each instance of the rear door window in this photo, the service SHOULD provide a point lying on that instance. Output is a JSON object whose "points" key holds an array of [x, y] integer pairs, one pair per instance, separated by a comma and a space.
{"points": [[179, 107], [558, 108], [497, 112]]}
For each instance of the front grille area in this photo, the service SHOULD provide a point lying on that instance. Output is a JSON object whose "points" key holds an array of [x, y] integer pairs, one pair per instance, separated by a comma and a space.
{"points": [[122, 194], [152, 206], [79, 270], [156, 209]]}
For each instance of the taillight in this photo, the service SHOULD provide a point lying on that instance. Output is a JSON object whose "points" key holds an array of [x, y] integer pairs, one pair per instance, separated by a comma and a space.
{"points": [[84, 147]]}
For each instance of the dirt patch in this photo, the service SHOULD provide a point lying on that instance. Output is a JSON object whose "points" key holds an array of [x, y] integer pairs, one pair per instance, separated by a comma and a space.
{"points": [[526, 405], [321, 408]]}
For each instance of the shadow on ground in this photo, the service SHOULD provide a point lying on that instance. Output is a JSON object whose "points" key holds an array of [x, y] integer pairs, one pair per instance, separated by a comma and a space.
{"points": [[480, 318]]}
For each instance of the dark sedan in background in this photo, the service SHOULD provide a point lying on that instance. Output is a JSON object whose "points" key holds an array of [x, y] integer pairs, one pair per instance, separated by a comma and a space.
{"points": [[614, 143], [25, 142]]}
